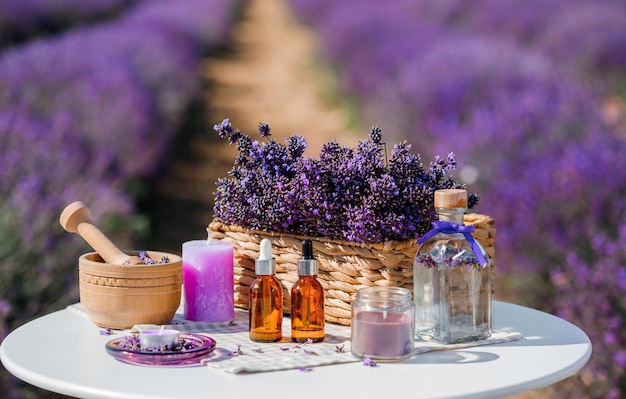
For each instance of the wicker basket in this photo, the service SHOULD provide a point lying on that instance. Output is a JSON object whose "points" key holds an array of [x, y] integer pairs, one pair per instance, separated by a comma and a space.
{"points": [[343, 267]]}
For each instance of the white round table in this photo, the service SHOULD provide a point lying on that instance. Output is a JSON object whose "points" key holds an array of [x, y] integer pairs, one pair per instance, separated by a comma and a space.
{"points": [[64, 352]]}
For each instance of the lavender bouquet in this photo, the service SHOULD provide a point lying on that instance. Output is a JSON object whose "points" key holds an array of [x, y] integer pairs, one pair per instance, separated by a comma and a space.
{"points": [[349, 194]]}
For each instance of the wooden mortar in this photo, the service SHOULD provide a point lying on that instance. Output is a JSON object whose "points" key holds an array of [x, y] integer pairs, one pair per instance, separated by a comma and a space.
{"points": [[121, 296], [117, 289]]}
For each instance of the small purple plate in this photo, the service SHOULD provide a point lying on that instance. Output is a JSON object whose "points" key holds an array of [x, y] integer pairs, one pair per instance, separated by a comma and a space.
{"points": [[200, 346]]}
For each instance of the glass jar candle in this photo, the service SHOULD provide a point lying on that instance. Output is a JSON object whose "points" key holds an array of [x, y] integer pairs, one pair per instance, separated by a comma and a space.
{"points": [[383, 323]]}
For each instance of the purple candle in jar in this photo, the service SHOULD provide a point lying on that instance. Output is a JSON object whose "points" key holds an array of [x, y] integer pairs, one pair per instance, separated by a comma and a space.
{"points": [[208, 280], [383, 323]]}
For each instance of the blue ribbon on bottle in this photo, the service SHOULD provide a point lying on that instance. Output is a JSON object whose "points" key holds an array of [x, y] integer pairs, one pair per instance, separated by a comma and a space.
{"points": [[445, 227]]}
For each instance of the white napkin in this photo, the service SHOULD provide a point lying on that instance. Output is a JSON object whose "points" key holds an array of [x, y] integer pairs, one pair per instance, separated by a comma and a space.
{"points": [[236, 353]]}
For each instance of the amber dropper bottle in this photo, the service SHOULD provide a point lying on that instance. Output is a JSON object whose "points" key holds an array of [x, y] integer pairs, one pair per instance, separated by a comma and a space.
{"points": [[307, 300], [266, 299]]}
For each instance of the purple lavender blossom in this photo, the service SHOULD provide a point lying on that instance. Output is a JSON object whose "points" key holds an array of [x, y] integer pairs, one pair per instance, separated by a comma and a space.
{"points": [[369, 362], [236, 352], [224, 128], [264, 129], [347, 194], [376, 134], [130, 343]]}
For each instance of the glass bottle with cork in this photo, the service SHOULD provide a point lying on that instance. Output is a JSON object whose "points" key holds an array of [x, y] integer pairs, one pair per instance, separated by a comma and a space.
{"points": [[307, 300], [265, 299], [452, 286]]}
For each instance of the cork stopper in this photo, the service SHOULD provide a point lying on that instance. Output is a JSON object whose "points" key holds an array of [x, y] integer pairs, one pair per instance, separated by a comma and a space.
{"points": [[451, 198]]}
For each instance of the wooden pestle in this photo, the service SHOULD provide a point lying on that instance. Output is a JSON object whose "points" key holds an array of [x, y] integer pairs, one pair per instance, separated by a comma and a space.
{"points": [[76, 218]]}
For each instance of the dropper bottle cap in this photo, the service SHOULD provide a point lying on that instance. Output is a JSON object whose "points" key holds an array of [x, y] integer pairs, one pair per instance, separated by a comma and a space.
{"points": [[264, 264], [307, 265]]}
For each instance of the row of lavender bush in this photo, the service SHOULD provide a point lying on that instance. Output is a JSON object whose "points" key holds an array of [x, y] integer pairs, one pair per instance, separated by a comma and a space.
{"points": [[84, 115], [24, 20], [519, 90]]}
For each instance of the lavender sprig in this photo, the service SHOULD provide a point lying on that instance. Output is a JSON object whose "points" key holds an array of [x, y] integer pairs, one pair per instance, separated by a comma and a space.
{"points": [[143, 256], [236, 352], [369, 362], [130, 343]]}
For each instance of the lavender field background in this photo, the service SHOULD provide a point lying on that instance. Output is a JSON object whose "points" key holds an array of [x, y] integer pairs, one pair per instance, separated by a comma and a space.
{"points": [[529, 94]]}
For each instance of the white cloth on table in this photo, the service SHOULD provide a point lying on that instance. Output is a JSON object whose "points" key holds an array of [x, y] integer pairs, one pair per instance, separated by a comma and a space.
{"points": [[236, 353]]}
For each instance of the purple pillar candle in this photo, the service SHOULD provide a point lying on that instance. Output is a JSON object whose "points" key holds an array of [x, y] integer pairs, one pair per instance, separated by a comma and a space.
{"points": [[208, 280]]}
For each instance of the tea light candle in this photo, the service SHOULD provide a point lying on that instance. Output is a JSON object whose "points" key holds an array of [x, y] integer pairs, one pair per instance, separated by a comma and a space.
{"points": [[208, 280], [383, 323], [158, 339]]}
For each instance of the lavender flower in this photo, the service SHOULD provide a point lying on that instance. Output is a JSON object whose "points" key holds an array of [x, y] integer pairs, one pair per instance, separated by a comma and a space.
{"points": [[369, 362], [130, 343], [376, 134], [236, 352], [264, 129], [224, 128], [143, 256], [348, 193]]}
